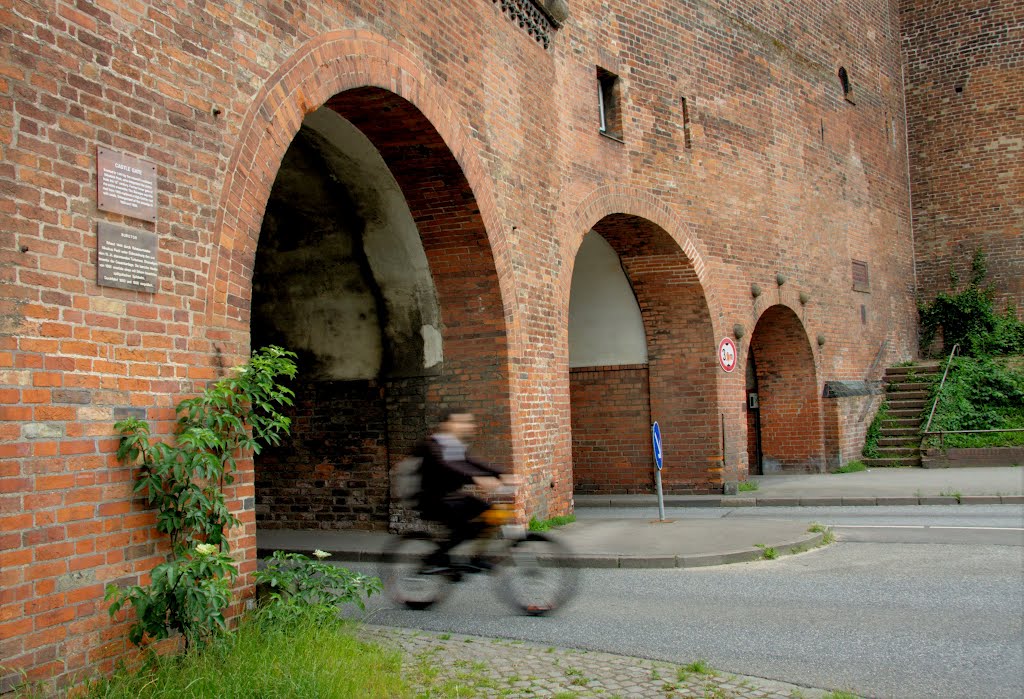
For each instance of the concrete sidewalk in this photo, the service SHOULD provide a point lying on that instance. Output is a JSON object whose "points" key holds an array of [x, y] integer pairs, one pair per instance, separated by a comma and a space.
{"points": [[989, 485], [688, 542]]}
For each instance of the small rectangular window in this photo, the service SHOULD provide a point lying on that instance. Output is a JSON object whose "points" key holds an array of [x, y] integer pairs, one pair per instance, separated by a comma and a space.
{"points": [[861, 282], [609, 110], [687, 140]]}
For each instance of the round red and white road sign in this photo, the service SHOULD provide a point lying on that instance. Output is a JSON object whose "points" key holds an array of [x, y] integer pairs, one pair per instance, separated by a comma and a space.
{"points": [[727, 354]]}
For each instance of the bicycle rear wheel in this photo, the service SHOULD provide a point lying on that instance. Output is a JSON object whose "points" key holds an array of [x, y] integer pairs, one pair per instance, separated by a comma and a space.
{"points": [[406, 576], [534, 577]]}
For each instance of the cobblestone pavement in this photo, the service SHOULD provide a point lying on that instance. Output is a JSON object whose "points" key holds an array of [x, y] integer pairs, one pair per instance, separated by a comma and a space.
{"points": [[456, 665]]}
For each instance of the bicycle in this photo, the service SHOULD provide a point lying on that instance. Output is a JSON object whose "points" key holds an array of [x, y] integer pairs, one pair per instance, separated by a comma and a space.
{"points": [[528, 567]]}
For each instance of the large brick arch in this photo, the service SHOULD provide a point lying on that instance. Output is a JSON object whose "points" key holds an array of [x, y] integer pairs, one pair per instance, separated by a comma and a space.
{"points": [[679, 383], [351, 71], [324, 67], [792, 434]]}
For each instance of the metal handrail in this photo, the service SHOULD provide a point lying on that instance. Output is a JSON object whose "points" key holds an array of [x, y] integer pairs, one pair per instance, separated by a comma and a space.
{"points": [[938, 393]]}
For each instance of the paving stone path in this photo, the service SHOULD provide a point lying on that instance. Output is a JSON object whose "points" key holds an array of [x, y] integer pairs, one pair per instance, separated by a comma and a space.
{"points": [[456, 665]]}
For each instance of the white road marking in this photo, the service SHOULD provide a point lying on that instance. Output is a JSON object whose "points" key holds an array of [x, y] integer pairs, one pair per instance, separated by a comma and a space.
{"points": [[924, 526]]}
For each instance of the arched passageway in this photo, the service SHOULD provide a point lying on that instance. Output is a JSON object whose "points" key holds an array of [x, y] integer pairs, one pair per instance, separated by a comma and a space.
{"points": [[374, 265], [639, 339], [785, 427]]}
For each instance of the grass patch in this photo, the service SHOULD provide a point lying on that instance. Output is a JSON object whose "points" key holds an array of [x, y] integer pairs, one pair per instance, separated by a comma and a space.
{"points": [[852, 467], [305, 658], [840, 694], [952, 494], [698, 667], [827, 536], [748, 486], [543, 525], [768, 552]]}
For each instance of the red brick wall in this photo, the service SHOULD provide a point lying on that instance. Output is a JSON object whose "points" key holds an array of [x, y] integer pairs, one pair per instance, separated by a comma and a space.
{"points": [[964, 79], [494, 141], [612, 450]]}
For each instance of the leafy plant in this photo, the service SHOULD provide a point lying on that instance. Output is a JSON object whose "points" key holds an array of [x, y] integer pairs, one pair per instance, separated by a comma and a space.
{"points": [[768, 552], [748, 486], [185, 482], [874, 432], [187, 594], [979, 394], [297, 586], [852, 466], [967, 317]]}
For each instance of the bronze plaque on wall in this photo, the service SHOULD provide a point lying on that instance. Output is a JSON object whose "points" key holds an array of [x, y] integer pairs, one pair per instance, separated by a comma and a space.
{"points": [[126, 257], [125, 185]]}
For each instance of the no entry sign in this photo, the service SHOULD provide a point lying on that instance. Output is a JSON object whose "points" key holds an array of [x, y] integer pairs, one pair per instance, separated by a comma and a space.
{"points": [[727, 354]]}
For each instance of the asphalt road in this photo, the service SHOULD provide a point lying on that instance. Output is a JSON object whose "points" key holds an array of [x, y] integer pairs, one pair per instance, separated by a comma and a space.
{"points": [[937, 524], [911, 618]]}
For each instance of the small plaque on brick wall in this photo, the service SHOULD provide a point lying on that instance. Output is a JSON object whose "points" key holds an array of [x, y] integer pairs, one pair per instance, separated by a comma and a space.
{"points": [[125, 185], [126, 257]]}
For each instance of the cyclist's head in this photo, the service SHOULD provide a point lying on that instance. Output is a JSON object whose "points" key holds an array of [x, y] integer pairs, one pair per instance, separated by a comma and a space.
{"points": [[458, 422]]}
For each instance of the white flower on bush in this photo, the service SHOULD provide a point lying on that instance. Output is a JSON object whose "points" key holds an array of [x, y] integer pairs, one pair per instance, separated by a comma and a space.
{"points": [[321, 554], [206, 549]]}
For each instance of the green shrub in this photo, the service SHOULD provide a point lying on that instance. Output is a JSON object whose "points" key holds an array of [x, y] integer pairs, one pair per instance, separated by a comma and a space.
{"points": [[874, 432], [979, 394], [967, 318], [295, 586], [185, 482], [852, 467]]}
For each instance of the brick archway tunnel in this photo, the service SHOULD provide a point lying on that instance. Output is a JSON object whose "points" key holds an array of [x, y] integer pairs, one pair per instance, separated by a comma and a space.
{"points": [[374, 265], [791, 436], [647, 361]]}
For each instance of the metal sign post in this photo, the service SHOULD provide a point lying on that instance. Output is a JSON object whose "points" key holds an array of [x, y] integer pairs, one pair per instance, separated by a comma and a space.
{"points": [[658, 454]]}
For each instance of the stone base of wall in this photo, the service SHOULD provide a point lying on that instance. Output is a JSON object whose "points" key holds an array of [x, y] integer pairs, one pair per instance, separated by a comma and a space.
{"points": [[961, 458]]}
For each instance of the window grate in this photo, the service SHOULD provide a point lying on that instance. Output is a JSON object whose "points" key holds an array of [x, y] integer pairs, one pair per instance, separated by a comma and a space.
{"points": [[530, 17], [861, 282]]}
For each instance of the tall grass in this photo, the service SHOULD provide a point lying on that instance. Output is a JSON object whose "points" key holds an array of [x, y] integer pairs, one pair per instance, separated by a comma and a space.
{"points": [[307, 658]]}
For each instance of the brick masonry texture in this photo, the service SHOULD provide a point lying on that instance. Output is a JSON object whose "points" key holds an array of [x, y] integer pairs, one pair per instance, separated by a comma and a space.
{"points": [[494, 141], [964, 63]]}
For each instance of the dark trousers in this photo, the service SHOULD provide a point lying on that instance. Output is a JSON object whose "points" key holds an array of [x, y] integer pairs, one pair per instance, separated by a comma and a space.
{"points": [[459, 514]]}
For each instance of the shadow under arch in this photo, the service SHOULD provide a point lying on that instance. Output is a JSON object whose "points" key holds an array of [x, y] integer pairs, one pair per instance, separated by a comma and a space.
{"points": [[612, 450], [791, 427], [325, 66]]}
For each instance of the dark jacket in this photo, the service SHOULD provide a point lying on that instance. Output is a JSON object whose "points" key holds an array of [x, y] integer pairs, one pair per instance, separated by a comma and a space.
{"points": [[445, 470]]}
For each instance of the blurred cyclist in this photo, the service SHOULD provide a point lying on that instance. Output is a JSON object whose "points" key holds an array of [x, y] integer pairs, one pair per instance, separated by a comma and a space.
{"points": [[445, 472]]}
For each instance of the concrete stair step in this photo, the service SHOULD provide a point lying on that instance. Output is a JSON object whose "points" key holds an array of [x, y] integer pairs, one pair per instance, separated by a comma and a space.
{"points": [[898, 452], [926, 367], [902, 413], [900, 432], [893, 462], [923, 389], [907, 395], [912, 440], [914, 425], [907, 406]]}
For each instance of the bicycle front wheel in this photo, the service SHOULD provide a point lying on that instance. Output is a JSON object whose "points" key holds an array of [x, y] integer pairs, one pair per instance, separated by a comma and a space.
{"points": [[407, 577], [534, 576]]}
